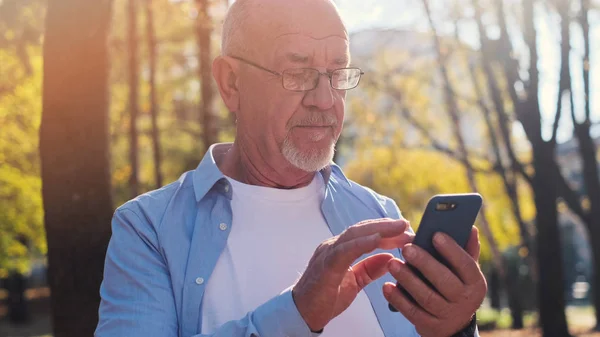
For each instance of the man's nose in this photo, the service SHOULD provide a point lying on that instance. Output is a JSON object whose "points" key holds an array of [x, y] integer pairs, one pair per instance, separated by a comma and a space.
{"points": [[321, 97]]}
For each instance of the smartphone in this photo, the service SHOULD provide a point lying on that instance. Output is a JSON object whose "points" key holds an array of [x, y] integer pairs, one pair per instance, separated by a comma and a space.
{"points": [[452, 214]]}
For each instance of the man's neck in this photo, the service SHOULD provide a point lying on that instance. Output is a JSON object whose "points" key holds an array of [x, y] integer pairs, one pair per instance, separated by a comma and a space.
{"points": [[247, 165]]}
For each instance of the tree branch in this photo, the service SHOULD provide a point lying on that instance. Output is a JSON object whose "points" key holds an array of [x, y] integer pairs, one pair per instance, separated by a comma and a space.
{"points": [[564, 83], [423, 130], [570, 197], [585, 27], [508, 59], [496, 96]]}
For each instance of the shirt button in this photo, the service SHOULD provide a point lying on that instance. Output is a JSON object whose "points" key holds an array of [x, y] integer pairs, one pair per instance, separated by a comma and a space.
{"points": [[226, 188], [199, 280], [223, 226]]}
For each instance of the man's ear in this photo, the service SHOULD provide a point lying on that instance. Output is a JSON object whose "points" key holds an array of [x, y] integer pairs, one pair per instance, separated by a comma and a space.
{"points": [[227, 81]]}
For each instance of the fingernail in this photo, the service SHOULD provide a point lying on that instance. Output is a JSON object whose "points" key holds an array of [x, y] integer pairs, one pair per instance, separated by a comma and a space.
{"points": [[387, 290], [395, 266], [406, 224], [439, 238], [408, 252]]}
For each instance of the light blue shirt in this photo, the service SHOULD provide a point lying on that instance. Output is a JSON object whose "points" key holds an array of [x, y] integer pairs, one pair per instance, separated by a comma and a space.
{"points": [[166, 243]]}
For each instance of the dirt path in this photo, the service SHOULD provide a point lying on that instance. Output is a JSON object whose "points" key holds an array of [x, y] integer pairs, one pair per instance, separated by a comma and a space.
{"points": [[533, 333]]}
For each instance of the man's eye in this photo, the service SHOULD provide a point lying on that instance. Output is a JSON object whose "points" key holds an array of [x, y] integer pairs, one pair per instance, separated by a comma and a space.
{"points": [[300, 76]]}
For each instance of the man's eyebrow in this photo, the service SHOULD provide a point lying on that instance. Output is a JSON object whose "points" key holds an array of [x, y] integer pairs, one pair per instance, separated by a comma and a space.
{"points": [[296, 58], [342, 60], [304, 59]]}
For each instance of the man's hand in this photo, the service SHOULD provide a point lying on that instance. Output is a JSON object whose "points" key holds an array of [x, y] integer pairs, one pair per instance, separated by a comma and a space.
{"points": [[330, 283], [460, 290]]}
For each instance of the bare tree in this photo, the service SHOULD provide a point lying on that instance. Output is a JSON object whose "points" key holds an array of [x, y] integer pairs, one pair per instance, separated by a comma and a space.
{"points": [[132, 44], [75, 160], [203, 33], [509, 168], [546, 190], [453, 112], [587, 149], [151, 38]]}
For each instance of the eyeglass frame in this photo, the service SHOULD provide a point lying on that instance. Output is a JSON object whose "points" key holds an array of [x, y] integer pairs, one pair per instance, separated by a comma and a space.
{"points": [[329, 74]]}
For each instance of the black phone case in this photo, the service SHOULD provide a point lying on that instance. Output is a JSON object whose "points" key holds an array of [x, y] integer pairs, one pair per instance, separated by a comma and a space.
{"points": [[456, 222]]}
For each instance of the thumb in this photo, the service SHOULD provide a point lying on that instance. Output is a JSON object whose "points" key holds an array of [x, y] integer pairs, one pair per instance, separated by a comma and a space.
{"points": [[371, 268]]}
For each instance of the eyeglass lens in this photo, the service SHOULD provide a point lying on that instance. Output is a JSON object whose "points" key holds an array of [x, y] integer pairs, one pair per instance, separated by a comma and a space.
{"points": [[304, 79]]}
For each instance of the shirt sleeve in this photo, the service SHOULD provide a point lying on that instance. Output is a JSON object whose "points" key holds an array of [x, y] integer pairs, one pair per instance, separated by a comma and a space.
{"points": [[277, 317], [137, 294]]}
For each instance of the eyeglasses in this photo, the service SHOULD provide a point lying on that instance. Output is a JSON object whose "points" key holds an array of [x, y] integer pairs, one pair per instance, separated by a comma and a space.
{"points": [[306, 79]]}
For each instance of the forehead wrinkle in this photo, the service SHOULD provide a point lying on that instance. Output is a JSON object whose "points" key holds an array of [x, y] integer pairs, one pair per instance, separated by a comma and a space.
{"points": [[345, 37], [332, 53]]}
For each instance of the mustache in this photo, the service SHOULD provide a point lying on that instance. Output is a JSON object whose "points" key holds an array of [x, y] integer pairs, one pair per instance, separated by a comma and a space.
{"points": [[316, 119]]}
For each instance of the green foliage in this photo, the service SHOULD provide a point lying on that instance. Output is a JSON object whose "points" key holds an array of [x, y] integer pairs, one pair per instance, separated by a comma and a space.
{"points": [[178, 95], [401, 122], [178, 92], [21, 211], [412, 177], [488, 318]]}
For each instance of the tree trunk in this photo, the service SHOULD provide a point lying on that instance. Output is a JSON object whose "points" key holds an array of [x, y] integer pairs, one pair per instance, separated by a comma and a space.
{"points": [[74, 155], [452, 110], [133, 65], [203, 33], [494, 288], [588, 150], [544, 182], [18, 307], [150, 33], [509, 177], [551, 291], [551, 307], [595, 289]]}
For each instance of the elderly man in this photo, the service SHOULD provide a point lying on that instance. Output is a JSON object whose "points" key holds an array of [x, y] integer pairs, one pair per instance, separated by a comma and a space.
{"points": [[263, 238]]}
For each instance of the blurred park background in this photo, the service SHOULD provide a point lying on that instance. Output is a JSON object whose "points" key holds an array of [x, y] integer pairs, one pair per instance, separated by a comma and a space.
{"points": [[102, 100]]}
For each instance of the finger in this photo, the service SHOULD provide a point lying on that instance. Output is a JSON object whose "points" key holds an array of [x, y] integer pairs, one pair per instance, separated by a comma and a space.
{"points": [[342, 255], [463, 264], [385, 227], [423, 294], [371, 268], [398, 241], [442, 278], [416, 315], [473, 245]]}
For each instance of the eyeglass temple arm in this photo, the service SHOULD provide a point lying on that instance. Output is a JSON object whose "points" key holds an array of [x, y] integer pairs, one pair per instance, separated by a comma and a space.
{"points": [[255, 65]]}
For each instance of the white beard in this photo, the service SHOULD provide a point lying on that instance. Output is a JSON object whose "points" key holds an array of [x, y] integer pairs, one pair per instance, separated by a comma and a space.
{"points": [[311, 161]]}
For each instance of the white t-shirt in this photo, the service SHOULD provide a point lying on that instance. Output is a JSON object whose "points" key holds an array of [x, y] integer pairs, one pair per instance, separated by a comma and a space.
{"points": [[273, 236]]}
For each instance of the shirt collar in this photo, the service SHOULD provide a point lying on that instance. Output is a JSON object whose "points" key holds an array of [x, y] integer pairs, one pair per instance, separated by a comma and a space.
{"points": [[207, 174]]}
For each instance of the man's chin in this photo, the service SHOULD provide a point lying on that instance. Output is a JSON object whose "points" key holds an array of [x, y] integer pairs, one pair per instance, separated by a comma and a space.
{"points": [[309, 159]]}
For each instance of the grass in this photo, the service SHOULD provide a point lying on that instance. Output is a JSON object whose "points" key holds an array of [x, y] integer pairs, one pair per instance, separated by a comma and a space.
{"points": [[495, 323], [502, 319]]}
